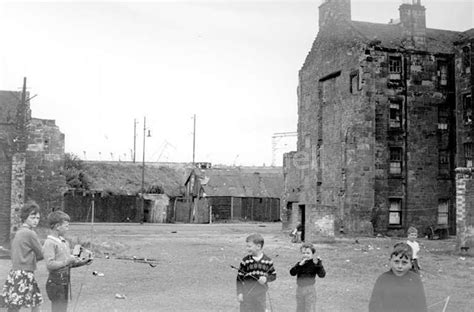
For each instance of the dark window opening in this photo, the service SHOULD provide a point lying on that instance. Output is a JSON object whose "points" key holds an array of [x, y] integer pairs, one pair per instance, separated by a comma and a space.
{"points": [[395, 64], [443, 119], [466, 60], [442, 73], [443, 208], [395, 113], [468, 153]]}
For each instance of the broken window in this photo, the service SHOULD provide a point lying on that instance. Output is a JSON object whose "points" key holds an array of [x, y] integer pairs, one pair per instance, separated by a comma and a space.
{"points": [[395, 160], [466, 60], [468, 152], [395, 113], [442, 73], [443, 208], [395, 211], [467, 108], [443, 162], [442, 119]]}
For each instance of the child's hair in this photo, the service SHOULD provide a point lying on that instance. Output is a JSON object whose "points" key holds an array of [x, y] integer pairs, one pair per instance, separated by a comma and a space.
{"points": [[255, 238], [308, 246], [57, 217], [412, 230], [30, 207], [402, 249]]}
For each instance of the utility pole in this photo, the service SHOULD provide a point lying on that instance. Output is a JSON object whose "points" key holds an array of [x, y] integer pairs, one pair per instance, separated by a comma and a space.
{"points": [[194, 140], [134, 139], [142, 205]]}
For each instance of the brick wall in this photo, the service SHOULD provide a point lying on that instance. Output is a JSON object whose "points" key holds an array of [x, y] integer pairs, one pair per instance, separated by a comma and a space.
{"points": [[465, 208]]}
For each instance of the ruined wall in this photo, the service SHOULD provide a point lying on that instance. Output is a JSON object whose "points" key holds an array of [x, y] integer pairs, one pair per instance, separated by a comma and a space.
{"points": [[45, 182], [336, 135], [465, 208], [291, 188]]}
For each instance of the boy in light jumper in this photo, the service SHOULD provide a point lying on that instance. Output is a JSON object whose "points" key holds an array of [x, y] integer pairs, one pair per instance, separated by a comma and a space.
{"points": [[59, 261], [412, 236]]}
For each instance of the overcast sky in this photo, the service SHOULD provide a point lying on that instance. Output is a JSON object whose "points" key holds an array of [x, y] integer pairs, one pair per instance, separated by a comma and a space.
{"points": [[98, 65]]}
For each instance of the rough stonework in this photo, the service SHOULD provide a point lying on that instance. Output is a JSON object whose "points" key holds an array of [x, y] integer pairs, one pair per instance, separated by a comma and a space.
{"points": [[465, 209], [377, 127]]}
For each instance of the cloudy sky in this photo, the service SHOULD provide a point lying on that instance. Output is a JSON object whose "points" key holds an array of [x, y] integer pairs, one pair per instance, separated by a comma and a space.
{"points": [[97, 66]]}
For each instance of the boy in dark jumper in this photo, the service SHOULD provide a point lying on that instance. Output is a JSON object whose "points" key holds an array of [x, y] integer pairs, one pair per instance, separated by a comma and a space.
{"points": [[255, 271], [306, 271]]}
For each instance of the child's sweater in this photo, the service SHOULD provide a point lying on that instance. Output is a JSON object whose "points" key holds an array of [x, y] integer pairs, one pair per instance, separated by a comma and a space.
{"points": [[250, 271], [56, 252], [306, 273]]}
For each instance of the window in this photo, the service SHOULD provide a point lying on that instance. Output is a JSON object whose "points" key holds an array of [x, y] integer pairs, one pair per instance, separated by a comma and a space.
{"points": [[395, 67], [395, 160], [467, 108], [466, 60], [442, 119], [443, 163], [443, 205], [468, 151], [395, 64], [442, 73], [395, 113], [395, 211], [354, 82]]}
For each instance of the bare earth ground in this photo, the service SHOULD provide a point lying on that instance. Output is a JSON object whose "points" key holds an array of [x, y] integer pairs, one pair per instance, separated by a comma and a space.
{"points": [[194, 273]]}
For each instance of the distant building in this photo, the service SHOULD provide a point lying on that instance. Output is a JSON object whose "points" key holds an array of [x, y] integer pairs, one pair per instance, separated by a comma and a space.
{"points": [[379, 110], [227, 194]]}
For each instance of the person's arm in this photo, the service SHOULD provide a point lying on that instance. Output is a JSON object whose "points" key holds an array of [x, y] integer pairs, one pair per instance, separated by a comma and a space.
{"points": [[376, 304], [35, 245], [295, 269], [49, 253], [271, 273], [240, 278], [320, 269]]}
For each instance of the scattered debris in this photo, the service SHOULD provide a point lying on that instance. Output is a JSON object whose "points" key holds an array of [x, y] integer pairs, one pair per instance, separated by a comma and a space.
{"points": [[348, 260], [174, 232], [356, 241], [95, 273], [119, 296], [262, 225], [462, 258]]}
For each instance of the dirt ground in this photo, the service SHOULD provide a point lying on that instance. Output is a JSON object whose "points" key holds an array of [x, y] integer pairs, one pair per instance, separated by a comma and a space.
{"points": [[193, 270]]}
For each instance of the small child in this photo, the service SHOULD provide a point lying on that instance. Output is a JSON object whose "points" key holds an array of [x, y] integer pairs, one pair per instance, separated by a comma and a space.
{"points": [[412, 235], [59, 261], [399, 289], [255, 271], [306, 271], [21, 289]]}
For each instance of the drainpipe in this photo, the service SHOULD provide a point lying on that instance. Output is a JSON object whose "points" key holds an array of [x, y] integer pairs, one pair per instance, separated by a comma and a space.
{"points": [[407, 61]]}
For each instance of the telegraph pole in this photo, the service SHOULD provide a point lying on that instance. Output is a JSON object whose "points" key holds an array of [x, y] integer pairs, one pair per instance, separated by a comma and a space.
{"points": [[134, 139], [142, 205]]}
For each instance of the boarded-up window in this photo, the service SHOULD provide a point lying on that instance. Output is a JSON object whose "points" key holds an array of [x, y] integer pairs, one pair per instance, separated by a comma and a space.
{"points": [[443, 73], [395, 211], [467, 108], [468, 152], [395, 113], [395, 160], [443, 205]]}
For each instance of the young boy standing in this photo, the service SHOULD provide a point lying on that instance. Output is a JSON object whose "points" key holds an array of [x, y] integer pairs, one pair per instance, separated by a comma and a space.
{"points": [[255, 271], [399, 289], [59, 261], [306, 271], [412, 236]]}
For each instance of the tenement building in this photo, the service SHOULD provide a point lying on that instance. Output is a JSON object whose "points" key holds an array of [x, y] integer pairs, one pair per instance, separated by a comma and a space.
{"points": [[384, 118]]}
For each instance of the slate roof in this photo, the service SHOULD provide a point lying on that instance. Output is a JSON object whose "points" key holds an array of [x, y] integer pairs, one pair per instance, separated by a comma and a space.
{"points": [[236, 182]]}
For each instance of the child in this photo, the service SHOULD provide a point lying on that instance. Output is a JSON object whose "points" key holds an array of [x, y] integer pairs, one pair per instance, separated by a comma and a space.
{"points": [[412, 235], [21, 288], [59, 261], [256, 270], [306, 271], [399, 289]]}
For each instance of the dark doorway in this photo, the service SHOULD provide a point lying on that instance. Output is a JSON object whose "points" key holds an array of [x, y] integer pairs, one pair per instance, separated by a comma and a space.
{"points": [[302, 213]]}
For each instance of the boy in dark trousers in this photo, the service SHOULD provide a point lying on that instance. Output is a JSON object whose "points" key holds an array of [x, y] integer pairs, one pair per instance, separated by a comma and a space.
{"points": [[306, 271], [255, 271], [399, 289], [59, 261]]}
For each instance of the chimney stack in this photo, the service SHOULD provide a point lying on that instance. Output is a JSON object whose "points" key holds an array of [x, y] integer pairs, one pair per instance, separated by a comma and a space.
{"points": [[413, 23], [334, 11]]}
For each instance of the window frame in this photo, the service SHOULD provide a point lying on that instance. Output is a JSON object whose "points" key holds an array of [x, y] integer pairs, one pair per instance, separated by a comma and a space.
{"points": [[444, 204], [394, 64], [395, 112], [467, 108], [395, 157], [468, 154], [398, 211]]}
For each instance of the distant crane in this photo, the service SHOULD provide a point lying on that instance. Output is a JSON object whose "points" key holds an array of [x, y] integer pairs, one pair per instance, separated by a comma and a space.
{"points": [[276, 138], [165, 146]]}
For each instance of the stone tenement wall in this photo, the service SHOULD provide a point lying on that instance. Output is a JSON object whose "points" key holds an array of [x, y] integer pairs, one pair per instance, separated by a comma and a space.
{"points": [[422, 135], [465, 208], [291, 185], [45, 182]]}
